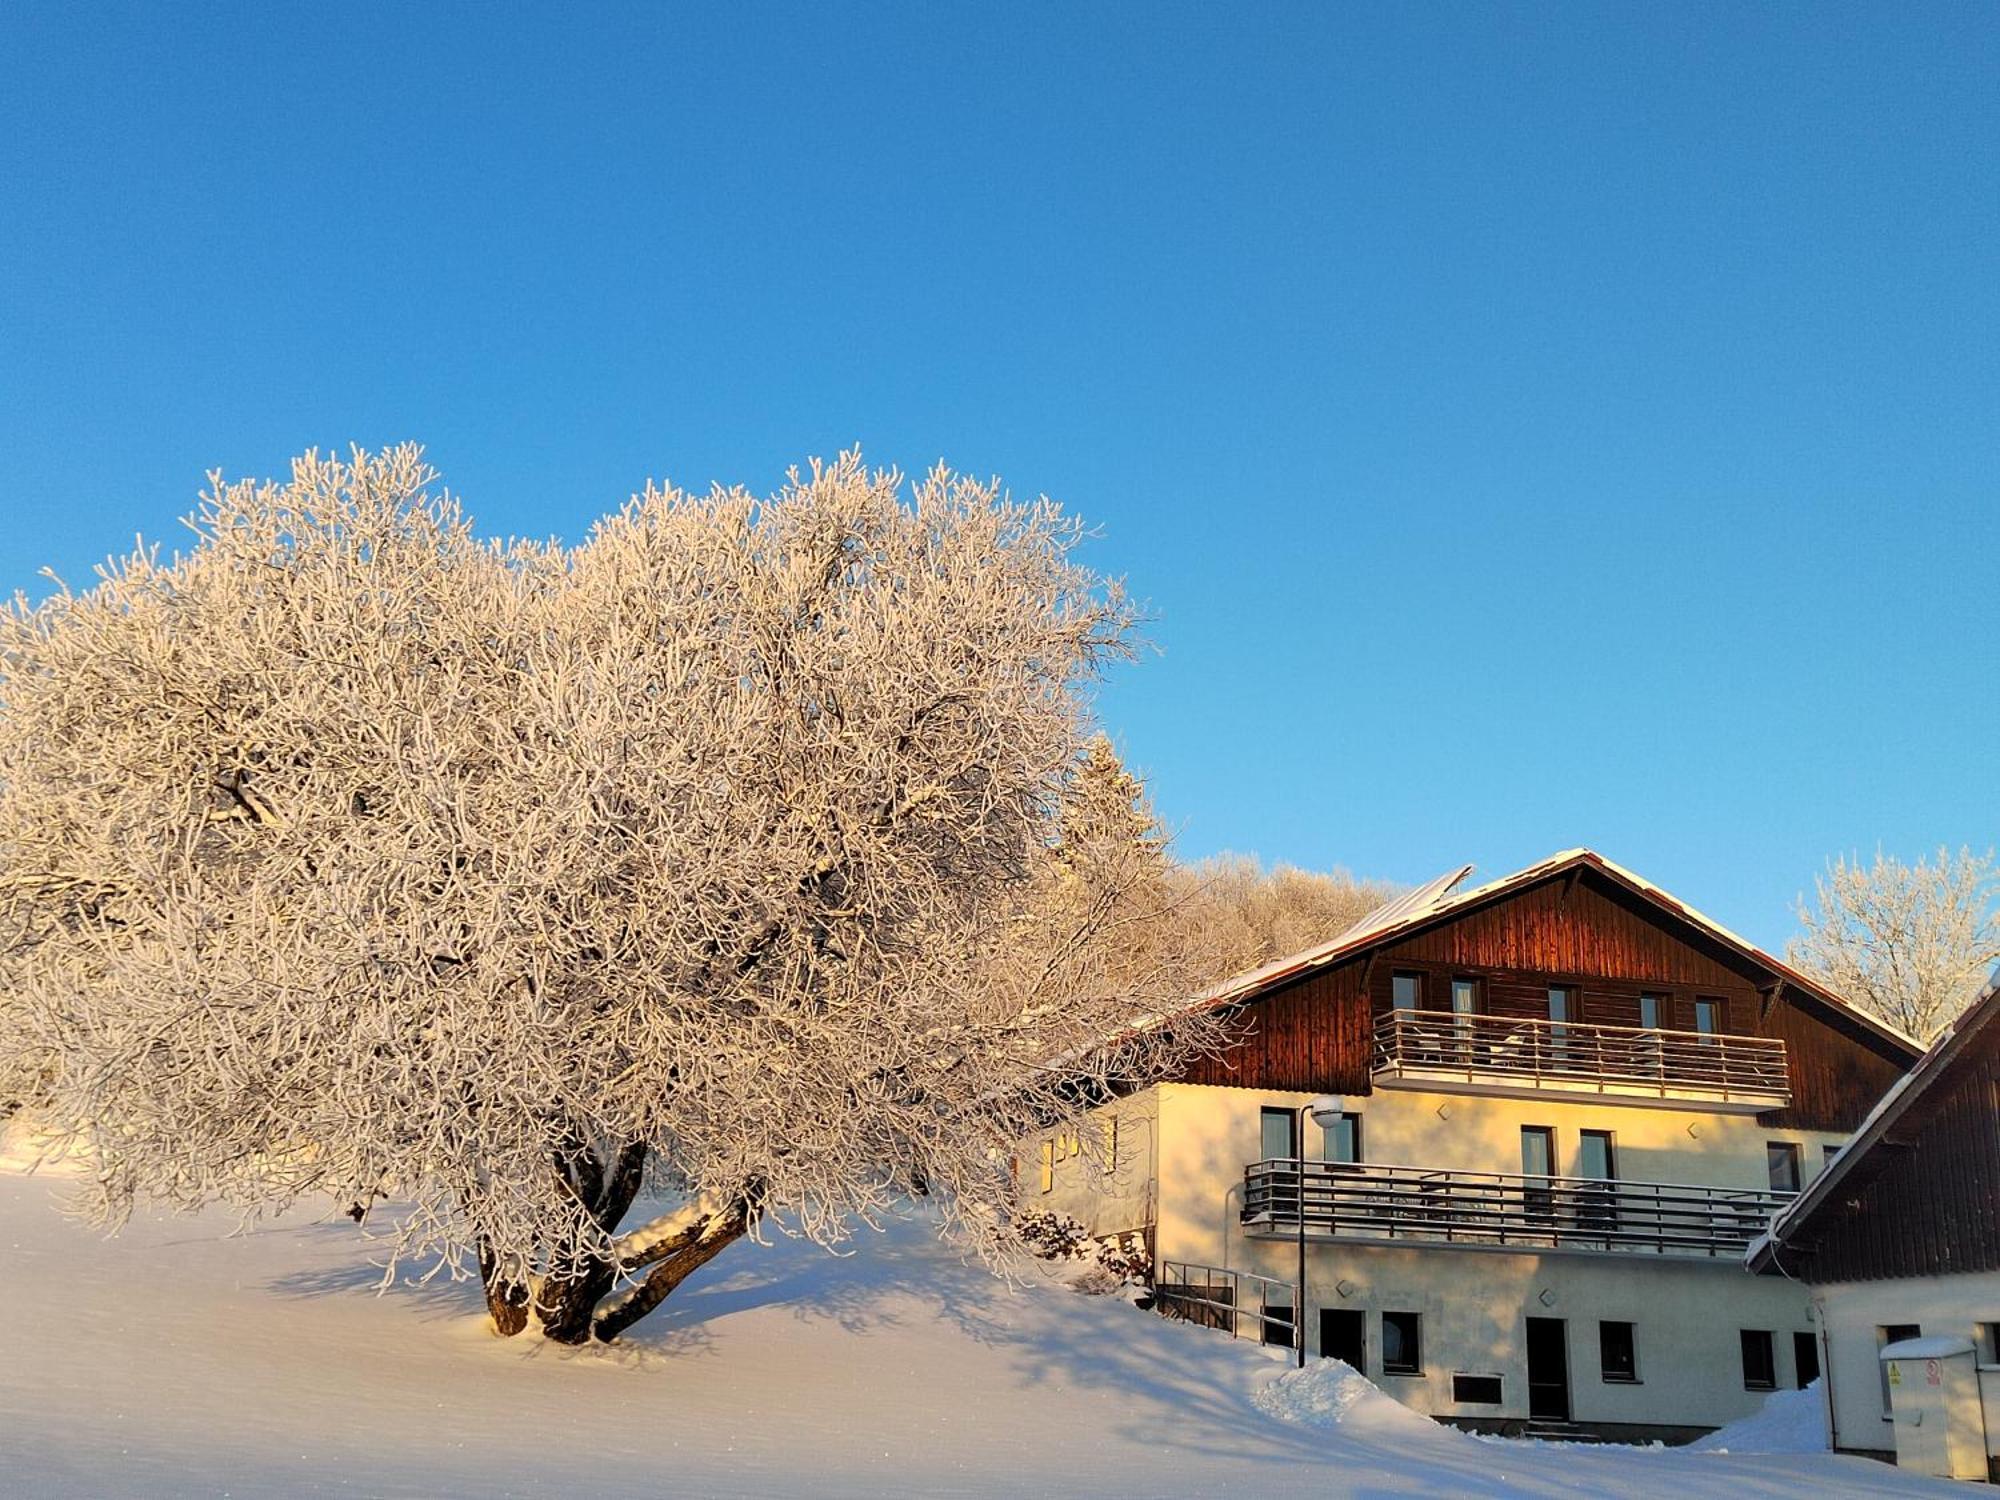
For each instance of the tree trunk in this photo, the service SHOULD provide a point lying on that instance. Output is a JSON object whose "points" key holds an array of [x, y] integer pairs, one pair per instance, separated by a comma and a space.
{"points": [[506, 1300], [717, 1235]]}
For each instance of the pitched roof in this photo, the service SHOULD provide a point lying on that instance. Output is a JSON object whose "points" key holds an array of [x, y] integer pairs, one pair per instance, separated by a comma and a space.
{"points": [[1441, 898], [1892, 1107]]}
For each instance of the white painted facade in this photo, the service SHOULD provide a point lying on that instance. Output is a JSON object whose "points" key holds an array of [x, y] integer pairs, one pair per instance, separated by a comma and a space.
{"points": [[1857, 1318], [1179, 1168]]}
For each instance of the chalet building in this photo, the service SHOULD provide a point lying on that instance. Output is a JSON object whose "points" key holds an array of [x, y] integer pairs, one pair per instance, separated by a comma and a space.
{"points": [[1503, 1150], [1899, 1239]]}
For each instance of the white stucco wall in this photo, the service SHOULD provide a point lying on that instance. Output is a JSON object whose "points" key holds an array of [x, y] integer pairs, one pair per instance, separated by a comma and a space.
{"points": [[1107, 1177], [1854, 1312]]}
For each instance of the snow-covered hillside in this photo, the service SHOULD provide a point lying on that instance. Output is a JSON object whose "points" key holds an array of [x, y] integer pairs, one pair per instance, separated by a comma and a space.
{"points": [[175, 1361]]}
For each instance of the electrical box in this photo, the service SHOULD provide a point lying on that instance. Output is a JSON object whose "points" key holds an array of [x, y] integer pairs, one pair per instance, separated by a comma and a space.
{"points": [[1934, 1403]]}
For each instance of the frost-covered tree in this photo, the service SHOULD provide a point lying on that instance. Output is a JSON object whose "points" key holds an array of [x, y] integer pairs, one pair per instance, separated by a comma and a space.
{"points": [[1237, 915], [493, 889], [1911, 943]]}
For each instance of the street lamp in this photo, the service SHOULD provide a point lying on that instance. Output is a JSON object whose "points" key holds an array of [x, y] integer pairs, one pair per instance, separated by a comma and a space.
{"points": [[1327, 1108]]}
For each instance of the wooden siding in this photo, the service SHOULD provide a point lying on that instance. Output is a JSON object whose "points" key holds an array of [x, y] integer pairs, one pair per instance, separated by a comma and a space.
{"points": [[1838, 1067], [1582, 930], [1930, 1208], [1312, 1035]]}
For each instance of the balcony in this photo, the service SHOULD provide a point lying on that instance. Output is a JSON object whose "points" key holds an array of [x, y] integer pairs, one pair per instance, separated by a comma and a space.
{"points": [[1476, 1054], [1491, 1210]]}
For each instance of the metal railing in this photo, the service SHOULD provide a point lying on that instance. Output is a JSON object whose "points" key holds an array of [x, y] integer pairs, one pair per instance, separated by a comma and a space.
{"points": [[1367, 1201], [1213, 1297], [1431, 1046]]}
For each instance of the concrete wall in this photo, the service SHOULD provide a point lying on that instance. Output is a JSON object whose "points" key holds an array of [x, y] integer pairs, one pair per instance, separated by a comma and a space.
{"points": [[1851, 1314]]}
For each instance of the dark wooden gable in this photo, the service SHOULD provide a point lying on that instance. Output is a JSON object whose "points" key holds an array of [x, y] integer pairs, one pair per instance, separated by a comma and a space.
{"points": [[1920, 1200], [1579, 927]]}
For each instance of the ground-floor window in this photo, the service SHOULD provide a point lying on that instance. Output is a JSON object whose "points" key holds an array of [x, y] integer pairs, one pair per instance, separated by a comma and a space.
{"points": [[1805, 1359], [1278, 1323], [1402, 1344], [1760, 1360], [1618, 1353]]}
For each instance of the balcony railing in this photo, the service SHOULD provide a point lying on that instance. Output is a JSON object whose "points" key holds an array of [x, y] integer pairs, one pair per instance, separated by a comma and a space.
{"points": [[1365, 1201], [1503, 1054]]}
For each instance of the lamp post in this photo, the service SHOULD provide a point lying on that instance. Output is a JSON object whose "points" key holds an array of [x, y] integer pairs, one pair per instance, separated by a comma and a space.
{"points": [[1326, 1107]]}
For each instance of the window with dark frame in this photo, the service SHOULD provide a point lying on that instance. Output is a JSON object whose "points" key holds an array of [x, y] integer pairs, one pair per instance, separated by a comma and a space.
{"points": [[1708, 1019], [1781, 1160], [1617, 1354], [1402, 1343], [1277, 1323], [1406, 991], [1342, 1141], [1651, 1009], [1477, 1390], [1278, 1136], [1805, 1358], [1760, 1360]]}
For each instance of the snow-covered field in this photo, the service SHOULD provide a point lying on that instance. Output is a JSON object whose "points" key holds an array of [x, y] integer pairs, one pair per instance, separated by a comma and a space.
{"points": [[176, 1361]]}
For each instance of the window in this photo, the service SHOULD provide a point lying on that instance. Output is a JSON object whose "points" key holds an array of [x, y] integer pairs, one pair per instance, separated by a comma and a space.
{"points": [[1402, 1344], [1708, 1017], [1280, 1140], [1476, 1390], [1617, 1354], [1111, 1145], [1464, 1006], [1538, 1164], [1805, 1359], [1651, 1009], [1600, 1159], [1828, 1152], [1887, 1334], [1538, 1150], [1597, 1207], [1760, 1360], [1562, 1003], [1781, 1159], [1278, 1322], [1342, 1139], [1988, 1341], [1048, 1165], [1406, 991]]}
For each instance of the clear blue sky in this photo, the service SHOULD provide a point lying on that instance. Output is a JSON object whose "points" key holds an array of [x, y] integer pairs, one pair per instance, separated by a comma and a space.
{"points": [[1532, 425]]}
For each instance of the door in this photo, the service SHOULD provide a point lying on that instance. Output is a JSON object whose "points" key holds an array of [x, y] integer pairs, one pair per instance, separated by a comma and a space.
{"points": [[1548, 1369], [1343, 1335]]}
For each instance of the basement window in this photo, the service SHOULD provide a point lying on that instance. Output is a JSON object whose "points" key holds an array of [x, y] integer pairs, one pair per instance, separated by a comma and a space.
{"points": [[1476, 1390]]}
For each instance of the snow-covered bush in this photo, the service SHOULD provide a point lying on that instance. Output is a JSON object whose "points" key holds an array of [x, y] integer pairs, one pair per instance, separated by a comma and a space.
{"points": [[1103, 1265], [735, 852]]}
